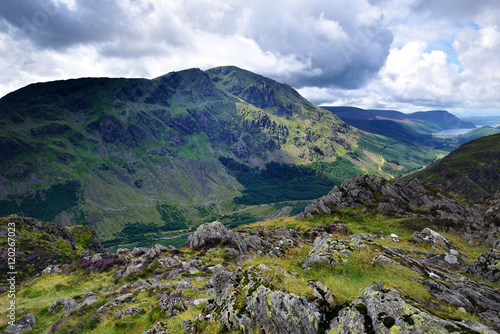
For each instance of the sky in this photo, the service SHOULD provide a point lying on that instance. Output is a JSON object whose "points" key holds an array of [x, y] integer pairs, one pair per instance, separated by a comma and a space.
{"points": [[406, 55]]}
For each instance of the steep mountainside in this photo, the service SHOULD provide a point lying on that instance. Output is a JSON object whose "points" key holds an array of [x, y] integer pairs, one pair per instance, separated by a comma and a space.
{"points": [[472, 170], [177, 150]]}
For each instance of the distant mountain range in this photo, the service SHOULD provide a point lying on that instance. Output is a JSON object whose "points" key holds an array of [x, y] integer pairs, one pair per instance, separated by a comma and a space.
{"points": [[188, 147], [416, 127]]}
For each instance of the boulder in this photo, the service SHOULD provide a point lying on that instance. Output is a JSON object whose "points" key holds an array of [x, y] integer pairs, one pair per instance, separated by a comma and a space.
{"points": [[172, 305], [188, 326], [428, 235], [327, 251], [24, 324], [129, 311], [487, 265], [383, 310], [159, 327], [208, 234]]}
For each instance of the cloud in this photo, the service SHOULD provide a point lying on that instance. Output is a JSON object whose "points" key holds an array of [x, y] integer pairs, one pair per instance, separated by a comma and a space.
{"points": [[303, 42], [370, 53]]}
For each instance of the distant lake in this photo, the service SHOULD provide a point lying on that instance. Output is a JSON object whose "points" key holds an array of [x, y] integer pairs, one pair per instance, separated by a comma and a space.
{"points": [[452, 132]]}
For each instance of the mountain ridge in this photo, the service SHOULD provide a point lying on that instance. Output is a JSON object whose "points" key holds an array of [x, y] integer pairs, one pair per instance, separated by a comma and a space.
{"points": [[112, 151]]}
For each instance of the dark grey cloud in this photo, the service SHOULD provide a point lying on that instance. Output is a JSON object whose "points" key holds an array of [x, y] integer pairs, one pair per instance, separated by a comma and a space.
{"points": [[53, 25]]}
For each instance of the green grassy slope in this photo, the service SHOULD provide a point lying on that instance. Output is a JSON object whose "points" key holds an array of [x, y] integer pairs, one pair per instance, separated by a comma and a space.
{"points": [[473, 169]]}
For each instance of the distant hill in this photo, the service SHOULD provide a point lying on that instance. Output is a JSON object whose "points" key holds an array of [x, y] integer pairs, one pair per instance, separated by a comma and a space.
{"points": [[414, 128], [473, 169], [478, 133], [442, 118]]}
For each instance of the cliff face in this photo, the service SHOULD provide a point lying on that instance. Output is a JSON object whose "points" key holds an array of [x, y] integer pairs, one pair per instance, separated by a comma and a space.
{"points": [[412, 199]]}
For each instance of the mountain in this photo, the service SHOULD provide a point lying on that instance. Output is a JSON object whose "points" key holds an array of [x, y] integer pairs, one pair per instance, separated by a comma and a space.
{"points": [[477, 133], [472, 170], [162, 156], [414, 127]]}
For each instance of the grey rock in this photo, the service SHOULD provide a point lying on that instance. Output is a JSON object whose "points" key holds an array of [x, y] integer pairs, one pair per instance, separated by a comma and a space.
{"points": [[382, 310], [24, 324], [245, 303], [138, 251], [159, 327], [382, 260], [327, 251], [52, 269], [170, 261], [207, 234], [172, 305], [447, 261], [183, 284], [428, 235], [65, 303], [188, 326], [129, 311], [279, 312], [487, 265], [123, 299]]}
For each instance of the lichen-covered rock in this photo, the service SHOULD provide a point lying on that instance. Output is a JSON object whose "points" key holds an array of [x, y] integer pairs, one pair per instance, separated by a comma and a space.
{"points": [[327, 251], [245, 302], [24, 324], [447, 261], [352, 319], [279, 312], [208, 234], [159, 327], [428, 235], [129, 311], [188, 326], [123, 299], [383, 310], [172, 305], [487, 265]]}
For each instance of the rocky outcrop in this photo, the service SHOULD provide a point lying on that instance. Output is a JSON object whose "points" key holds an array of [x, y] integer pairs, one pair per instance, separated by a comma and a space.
{"points": [[123, 299], [159, 327], [412, 199], [245, 302], [327, 251], [24, 324], [383, 310], [131, 311], [487, 266], [273, 242], [75, 303]]}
